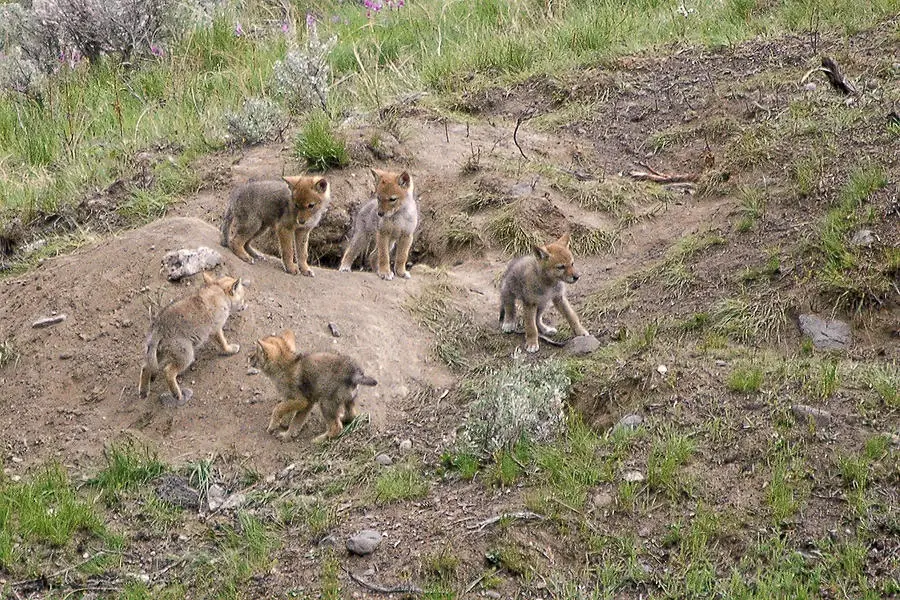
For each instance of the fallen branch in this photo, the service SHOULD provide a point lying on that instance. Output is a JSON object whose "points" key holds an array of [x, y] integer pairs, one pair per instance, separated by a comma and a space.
{"points": [[525, 515], [836, 78], [834, 75], [397, 589], [650, 174]]}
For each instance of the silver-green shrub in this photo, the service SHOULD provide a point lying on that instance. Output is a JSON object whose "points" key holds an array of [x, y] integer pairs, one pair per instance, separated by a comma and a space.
{"points": [[254, 122], [522, 402]]}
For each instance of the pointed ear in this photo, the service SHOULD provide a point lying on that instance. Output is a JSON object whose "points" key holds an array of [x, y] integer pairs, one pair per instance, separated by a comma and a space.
{"points": [[564, 240], [291, 181], [288, 336], [321, 185], [541, 253], [208, 277], [235, 286], [403, 180], [376, 173], [267, 347]]}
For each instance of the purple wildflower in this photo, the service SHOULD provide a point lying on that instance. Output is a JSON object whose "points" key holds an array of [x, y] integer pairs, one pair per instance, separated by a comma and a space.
{"points": [[156, 50], [238, 30], [310, 20], [285, 27]]}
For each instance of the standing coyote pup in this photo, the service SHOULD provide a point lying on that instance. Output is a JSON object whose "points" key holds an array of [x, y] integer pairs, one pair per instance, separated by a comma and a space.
{"points": [[330, 379], [292, 207], [183, 327], [537, 281], [391, 218]]}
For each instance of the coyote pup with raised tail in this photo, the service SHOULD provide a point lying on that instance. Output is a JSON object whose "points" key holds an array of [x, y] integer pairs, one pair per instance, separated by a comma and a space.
{"points": [[329, 379], [391, 218], [292, 206], [537, 280], [183, 327]]}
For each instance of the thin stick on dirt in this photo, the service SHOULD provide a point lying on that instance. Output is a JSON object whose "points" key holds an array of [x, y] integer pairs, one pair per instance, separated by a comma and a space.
{"points": [[519, 120], [380, 589], [650, 174], [525, 515]]}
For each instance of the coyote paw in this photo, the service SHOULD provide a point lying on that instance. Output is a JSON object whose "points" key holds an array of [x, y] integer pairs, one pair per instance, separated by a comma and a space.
{"points": [[344, 269], [386, 276], [169, 400], [233, 349], [308, 273], [404, 275], [508, 327], [291, 269], [547, 329], [532, 348]]}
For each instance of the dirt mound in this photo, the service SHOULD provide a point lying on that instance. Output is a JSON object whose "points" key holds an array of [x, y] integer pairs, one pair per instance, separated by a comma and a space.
{"points": [[73, 387]]}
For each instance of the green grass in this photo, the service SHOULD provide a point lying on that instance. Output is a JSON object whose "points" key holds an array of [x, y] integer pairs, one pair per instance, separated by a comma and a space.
{"points": [[400, 482], [512, 233], [127, 466], [319, 145], [748, 319], [43, 515], [753, 206], [746, 380], [668, 453]]}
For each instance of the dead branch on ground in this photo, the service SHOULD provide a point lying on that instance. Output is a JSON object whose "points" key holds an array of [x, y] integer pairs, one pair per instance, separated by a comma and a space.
{"points": [[650, 174]]}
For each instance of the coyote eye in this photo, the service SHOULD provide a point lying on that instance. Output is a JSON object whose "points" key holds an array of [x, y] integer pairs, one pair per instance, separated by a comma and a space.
{"points": [[311, 205], [561, 267], [393, 199]]}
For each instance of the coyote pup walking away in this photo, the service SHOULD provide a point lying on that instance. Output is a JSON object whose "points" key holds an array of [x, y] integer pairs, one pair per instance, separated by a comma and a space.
{"points": [[391, 218], [329, 379], [183, 327], [537, 281], [292, 206]]}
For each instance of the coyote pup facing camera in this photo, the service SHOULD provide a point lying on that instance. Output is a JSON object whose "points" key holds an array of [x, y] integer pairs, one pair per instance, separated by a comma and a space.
{"points": [[537, 280], [292, 206], [329, 379], [390, 218], [183, 327]]}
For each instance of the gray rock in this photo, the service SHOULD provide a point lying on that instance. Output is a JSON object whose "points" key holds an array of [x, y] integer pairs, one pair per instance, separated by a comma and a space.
{"points": [[803, 413], [252, 371], [629, 422], [234, 501], [825, 335], [364, 542], [633, 476], [581, 345], [405, 445], [602, 500], [491, 594], [384, 460], [215, 497], [810, 87], [178, 491], [189, 261], [48, 321], [863, 237]]}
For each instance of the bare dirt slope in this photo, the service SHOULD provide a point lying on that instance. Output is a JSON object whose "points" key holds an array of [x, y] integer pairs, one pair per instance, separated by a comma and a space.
{"points": [[74, 386]]}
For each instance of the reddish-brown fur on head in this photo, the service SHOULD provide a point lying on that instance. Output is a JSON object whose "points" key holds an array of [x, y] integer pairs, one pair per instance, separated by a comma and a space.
{"points": [[274, 348], [233, 288], [309, 194], [392, 190], [557, 261]]}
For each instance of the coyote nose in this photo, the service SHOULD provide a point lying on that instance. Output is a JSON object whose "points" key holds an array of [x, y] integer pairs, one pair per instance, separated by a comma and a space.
{"points": [[380, 213], [574, 276]]}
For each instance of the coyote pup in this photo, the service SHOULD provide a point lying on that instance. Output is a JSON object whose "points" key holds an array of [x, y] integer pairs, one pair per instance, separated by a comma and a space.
{"points": [[292, 207], [538, 280], [330, 379], [391, 218], [183, 327]]}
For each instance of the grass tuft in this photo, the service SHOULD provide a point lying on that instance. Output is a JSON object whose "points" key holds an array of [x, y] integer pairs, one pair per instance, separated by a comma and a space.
{"points": [[401, 482], [319, 146]]}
